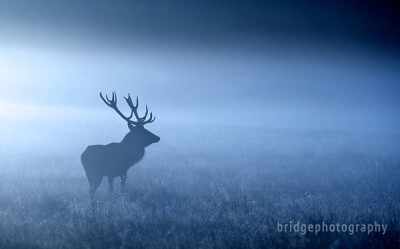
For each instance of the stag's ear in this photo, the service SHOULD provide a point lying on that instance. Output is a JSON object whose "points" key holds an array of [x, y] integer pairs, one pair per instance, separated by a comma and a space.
{"points": [[130, 126]]}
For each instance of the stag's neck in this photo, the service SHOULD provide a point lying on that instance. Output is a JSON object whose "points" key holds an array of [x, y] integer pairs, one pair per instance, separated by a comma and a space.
{"points": [[132, 146], [137, 155], [134, 153]]}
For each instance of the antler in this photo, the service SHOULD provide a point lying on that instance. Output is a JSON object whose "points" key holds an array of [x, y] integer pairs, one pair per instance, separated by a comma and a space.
{"points": [[140, 120]]}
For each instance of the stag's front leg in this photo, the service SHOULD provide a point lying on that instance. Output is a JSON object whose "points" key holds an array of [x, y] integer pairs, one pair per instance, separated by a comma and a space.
{"points": [[123, 180], [111, 184]]}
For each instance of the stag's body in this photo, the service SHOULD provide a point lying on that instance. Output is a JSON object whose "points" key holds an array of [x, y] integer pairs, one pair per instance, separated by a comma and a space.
{"points": [[115, 159], [110, 160]]}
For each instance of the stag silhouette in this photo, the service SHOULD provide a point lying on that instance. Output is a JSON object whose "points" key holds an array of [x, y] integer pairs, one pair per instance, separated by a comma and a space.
{"points": [[115, 159]]}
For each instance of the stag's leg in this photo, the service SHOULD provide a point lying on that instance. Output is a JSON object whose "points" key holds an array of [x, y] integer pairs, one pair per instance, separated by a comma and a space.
{"points": [[123, 180], [94, 184], [111, 184]]}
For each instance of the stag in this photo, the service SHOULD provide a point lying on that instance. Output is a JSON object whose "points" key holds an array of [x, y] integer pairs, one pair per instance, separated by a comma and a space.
{"points": [[115, 159]]}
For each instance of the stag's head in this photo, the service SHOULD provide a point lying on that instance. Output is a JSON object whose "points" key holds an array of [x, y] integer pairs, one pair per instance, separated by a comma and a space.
{"points": [[138, 135]]}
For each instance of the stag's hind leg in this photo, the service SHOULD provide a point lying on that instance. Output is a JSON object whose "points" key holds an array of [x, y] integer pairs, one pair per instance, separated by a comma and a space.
{"points": [[94, 182], [111, 184], [123, 180]]}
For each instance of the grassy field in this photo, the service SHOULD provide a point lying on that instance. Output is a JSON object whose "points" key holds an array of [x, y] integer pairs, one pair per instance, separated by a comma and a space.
{"points": [[224, 188]]}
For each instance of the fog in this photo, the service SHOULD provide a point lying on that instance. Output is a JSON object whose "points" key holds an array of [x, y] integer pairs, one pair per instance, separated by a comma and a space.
{"points": [[262, 109], [209, 64]]}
